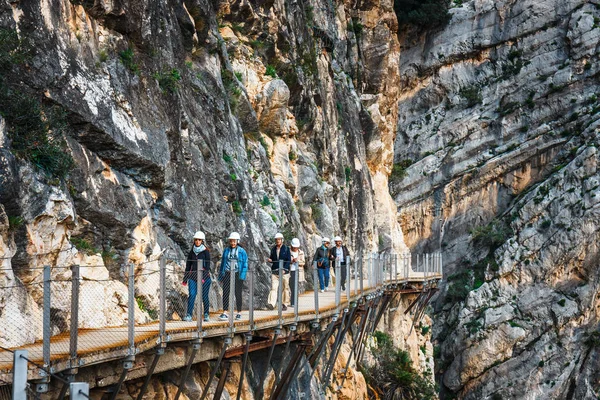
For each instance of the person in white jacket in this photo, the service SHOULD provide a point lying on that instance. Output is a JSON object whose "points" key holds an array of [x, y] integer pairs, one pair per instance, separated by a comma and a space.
{"points": [[296, 268]]}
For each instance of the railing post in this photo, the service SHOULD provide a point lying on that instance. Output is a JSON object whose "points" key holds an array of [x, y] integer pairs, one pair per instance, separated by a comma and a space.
{"points": [[162, 301], [337, 284], [390, 266], [355, 274], [131, 311], [74, 315], [199, 296], [232, 272], [316, 288], [296, 297], [361, 274], [19, 381], [46, 318], [251, 299], [280, 293], [348, 279]]}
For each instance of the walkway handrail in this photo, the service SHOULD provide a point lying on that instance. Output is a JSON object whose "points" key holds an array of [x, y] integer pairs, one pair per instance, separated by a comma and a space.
{"points": [[152, 295]]}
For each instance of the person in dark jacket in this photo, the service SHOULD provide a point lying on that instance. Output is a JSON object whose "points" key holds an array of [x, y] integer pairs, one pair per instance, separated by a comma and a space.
{"points": [[322, 259], [279, 252], [339, 253], [198, 259]]}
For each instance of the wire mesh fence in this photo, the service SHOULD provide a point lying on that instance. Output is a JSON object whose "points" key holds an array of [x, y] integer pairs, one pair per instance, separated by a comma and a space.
{"points": [[168, 295]]}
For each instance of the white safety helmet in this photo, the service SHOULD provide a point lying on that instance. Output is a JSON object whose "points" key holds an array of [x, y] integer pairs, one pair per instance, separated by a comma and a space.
{"points": [[325, 240], [199, 235], [295, 242], [278, 235], [337, 239], [234, 236]]}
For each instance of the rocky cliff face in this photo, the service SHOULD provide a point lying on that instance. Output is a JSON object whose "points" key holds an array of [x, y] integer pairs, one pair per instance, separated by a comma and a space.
{"points": [[496, 156], [289, 115], [255, 117], [127, 126]]}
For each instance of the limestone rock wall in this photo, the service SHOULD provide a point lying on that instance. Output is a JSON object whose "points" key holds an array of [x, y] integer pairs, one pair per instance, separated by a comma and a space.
{"points": [[498, 117], [245, 116]]}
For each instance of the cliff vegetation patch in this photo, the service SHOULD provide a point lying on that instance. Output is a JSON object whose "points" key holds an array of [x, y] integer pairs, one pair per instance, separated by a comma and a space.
{"points": [[425, 14], [393, 376], [36, 130]]}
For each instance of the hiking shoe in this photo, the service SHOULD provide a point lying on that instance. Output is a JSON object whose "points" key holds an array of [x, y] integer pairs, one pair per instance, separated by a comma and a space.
{"points": [[238, 316], [321, 291], [343, 287], [187, 318], [283, 307], [269, 307], [206, 318], [325, 289], [223, 317]]}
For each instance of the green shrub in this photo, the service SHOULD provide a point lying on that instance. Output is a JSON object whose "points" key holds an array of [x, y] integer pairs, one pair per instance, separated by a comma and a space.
{"points": [[541, 364], [514, 324], [292, 155], [458, 290], [102, 56], [593, 339], [399, 169], [492, 235], [236, 207], [425, 330], [546, 224], [15, 222], [227, 158], [264, 144], [265, 202], [562, 302], [36, 131], [356, 27], [317, 212], [348, 173], [127, 58], [231, 87], [84, 246], [426, 14], [393, 376], [13, 50], [271, 71], [152, 313], [233, 177], [168, 80], [508, 108], [472, 94]]}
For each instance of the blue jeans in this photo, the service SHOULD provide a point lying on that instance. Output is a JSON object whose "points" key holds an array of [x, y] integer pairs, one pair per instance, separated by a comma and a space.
{"points": [[323, 277], [193, 289]]}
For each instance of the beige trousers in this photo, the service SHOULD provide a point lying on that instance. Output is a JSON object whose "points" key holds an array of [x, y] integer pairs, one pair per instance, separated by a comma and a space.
{"points": [[275, 288]]}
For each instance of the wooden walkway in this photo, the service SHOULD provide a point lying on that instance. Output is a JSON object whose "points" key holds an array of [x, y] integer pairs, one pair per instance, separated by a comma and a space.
{"points": [[101, 345]]}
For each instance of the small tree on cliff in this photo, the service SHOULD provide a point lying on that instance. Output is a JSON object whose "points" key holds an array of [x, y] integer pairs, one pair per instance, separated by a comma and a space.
{"points": [[426, 14], [393, 376]]}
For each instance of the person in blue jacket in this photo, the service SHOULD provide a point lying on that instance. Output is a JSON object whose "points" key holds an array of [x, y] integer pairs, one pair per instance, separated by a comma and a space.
{"points": [[234, 260], [198, 259], [279, 252]]}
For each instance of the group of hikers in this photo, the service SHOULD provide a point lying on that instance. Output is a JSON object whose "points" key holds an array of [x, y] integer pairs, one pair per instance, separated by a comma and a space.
{"points": [[235, 260]]}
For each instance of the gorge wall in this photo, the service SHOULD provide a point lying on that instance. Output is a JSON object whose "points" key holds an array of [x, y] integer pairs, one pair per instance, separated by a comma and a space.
{"points": [[290, 115], [497, 163]]}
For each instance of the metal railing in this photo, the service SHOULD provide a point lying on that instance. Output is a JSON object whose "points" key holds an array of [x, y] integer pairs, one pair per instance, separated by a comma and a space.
{"points": [[151, 301]]}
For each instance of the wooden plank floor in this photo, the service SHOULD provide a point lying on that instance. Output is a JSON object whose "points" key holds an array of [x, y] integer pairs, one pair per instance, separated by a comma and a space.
{"points": [[110, 343]]}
